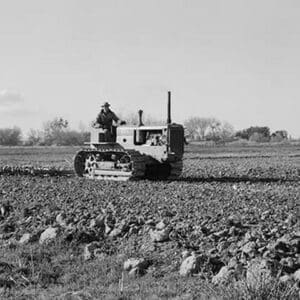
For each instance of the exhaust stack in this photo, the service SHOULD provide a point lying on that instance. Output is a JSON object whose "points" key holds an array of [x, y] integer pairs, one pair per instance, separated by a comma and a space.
{"points": [[169, 121], [141, 118]]}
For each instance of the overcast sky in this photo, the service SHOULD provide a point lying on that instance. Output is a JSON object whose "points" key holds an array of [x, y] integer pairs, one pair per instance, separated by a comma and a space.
{"points": [[236, 60]]}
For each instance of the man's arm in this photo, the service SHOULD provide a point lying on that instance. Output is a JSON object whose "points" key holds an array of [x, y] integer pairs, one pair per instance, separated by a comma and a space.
{"points": [[117, 119], [114, 117]]}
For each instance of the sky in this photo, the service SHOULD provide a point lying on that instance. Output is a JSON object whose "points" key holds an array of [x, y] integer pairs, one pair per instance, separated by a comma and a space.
{"points": [[236, 60]]}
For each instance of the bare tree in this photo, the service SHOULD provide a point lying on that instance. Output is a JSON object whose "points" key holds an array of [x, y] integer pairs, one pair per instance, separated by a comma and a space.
{"points": [[215, 128], [197, 127], [220, 131], [227, 131], [35, 137]]}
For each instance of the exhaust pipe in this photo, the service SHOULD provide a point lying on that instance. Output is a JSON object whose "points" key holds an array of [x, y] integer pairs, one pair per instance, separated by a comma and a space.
{"points": [[169, 121], [141, 118]]}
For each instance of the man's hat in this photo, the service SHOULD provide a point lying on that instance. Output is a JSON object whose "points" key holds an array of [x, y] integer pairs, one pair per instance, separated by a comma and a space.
{"points": [[105, 104]]}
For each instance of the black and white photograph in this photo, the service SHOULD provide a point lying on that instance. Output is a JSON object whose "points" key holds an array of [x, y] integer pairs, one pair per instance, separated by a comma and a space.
{"points": [[150, 149]]}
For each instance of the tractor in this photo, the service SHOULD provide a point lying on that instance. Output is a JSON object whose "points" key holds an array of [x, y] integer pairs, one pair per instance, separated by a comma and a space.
{"points": [[138, 152]]}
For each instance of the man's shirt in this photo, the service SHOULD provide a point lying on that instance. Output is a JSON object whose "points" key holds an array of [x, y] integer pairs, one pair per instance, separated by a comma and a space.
{"points": [[106, 119]]}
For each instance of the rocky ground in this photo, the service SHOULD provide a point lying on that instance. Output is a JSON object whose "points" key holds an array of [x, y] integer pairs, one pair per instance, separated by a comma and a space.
{"points": [[199, 236]]}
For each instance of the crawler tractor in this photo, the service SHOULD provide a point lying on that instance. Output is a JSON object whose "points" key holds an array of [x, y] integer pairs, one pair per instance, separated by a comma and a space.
{"points": [[153, 152]]}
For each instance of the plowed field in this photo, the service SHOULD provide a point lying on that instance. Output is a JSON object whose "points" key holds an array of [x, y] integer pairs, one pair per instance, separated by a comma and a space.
{"points": [[225, 199]]}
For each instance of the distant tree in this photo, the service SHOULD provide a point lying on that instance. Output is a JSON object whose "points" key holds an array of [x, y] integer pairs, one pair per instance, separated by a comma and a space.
{"points": [[214, 130], [258, 137], [54, 131], [35, 137], [208, 129], [243, 134], [261, 133], [279, 136], [10, 136], [196, 127], [226, 131]]}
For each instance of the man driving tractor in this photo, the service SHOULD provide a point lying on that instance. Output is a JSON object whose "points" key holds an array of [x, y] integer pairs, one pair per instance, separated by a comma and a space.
{"points": [[105, 120]]}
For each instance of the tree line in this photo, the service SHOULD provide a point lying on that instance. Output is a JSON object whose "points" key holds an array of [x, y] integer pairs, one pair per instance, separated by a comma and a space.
{"points": [[58, 132], [54, 132], [212, 129]]}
